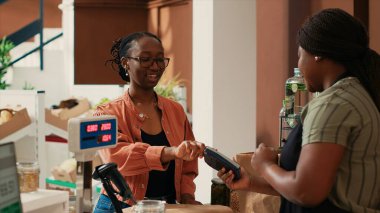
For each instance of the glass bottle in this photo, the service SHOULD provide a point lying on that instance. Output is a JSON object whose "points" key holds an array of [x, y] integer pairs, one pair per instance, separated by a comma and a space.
{"points": [[220, 194], [28, 175], [149, 206], [295, 94]]}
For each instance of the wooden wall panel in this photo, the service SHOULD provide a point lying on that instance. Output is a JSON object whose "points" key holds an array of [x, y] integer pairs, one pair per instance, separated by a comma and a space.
{"points": [[15, 14], [347, 5], [97, 25], [175, 29], [374, 23], [272, 66], [298, 12]]}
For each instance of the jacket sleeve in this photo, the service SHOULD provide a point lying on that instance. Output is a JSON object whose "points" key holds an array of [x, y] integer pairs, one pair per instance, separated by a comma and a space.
{"points": [[132, 158], [189, 168]]}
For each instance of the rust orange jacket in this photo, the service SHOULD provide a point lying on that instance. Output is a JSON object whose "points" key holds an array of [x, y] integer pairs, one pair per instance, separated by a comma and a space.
{"points": [[134, 158]]}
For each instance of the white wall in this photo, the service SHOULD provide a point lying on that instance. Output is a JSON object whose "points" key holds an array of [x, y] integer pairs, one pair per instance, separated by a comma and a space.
{"points": [[203, 88], [224, 80], [28, 69]]}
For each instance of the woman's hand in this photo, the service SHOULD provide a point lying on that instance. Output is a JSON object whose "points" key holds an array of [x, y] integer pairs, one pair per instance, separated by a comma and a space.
{"points": [[189, 199], [263, 156], [189, 150], [227, 177]]}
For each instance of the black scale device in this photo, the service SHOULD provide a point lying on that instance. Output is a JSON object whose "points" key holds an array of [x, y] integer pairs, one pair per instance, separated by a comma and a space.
{"points": [[217, 161]]}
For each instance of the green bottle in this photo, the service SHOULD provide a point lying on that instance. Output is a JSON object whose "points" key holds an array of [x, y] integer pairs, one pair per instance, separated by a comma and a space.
{"points": [[295, 94]]}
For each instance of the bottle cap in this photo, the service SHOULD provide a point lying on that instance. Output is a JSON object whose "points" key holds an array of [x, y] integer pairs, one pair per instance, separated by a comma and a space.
{"points": [[297, 71]]}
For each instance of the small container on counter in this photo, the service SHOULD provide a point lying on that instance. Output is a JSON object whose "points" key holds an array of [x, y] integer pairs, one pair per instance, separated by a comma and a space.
{"points": [[28, 176], [220, 193], [150, 206]]}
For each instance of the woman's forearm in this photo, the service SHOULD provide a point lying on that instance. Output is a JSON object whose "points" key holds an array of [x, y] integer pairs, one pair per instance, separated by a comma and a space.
{"points": [[168, 154], [260, 185]]}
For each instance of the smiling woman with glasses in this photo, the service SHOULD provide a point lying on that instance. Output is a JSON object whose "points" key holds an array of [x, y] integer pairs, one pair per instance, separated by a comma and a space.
{"points": [[156, 153]]}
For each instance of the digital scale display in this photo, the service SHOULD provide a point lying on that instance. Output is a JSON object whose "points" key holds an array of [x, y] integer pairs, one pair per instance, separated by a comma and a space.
{"points": [[97, 133], [92, 133], [95, 127], [92, 128]]}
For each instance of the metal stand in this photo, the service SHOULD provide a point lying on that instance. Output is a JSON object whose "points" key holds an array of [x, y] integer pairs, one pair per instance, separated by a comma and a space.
{"points": [[83, 184], [287, 123]]}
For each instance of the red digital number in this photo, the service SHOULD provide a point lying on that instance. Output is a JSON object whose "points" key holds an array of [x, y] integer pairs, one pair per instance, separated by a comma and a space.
{"points": [[106, 138], [92, 128], [105, 126]]}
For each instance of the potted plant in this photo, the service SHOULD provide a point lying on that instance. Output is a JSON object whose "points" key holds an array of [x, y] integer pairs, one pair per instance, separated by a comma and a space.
{"points": [[5, 60], [167, 88]]}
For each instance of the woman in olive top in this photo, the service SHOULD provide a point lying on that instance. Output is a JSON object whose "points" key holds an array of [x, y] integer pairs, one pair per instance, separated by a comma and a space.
{"points": [[331, 161]]}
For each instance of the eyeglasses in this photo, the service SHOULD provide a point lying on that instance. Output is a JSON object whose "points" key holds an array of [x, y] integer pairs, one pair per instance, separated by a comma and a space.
{"points": [[146, 62]]}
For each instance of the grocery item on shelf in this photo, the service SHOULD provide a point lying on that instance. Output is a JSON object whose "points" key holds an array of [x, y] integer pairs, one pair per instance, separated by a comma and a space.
{"points": [[12, 120], [66, 171], [296, 97], [59, 117], [28, 176], [295, 94], [5, 115], [69, 103]]}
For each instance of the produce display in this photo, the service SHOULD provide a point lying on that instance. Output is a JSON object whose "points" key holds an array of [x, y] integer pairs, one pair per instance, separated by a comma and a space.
{"points": [[66, 171], [69, 103], [6, 115]]}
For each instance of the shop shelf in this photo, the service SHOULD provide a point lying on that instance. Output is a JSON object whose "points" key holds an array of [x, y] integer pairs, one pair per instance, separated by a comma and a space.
{"points": [[45, 201], [26, 131], [56, 131]]}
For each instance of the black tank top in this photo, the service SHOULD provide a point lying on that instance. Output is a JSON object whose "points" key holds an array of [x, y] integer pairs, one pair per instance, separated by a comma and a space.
{"points": [[161, 183], [288, 161]]}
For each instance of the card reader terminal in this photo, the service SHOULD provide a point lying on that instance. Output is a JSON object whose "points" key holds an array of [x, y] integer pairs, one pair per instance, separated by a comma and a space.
{"points": [[217, 161]]}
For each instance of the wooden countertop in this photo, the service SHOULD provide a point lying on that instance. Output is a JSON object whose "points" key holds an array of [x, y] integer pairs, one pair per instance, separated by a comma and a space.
{"points": [[187, 208]]}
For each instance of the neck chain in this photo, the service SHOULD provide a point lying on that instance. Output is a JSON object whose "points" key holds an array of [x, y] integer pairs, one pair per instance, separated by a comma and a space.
{"points": [[139, 104]]}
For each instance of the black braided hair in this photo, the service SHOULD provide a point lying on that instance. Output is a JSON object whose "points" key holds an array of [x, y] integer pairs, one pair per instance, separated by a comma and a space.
{"points": [[335, 34], [120, 49]]}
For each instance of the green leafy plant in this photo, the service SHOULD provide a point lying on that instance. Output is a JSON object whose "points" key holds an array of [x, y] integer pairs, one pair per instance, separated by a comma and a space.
{"points": [[28, 86], [166, 88], [102, 101], [5, 60]]}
